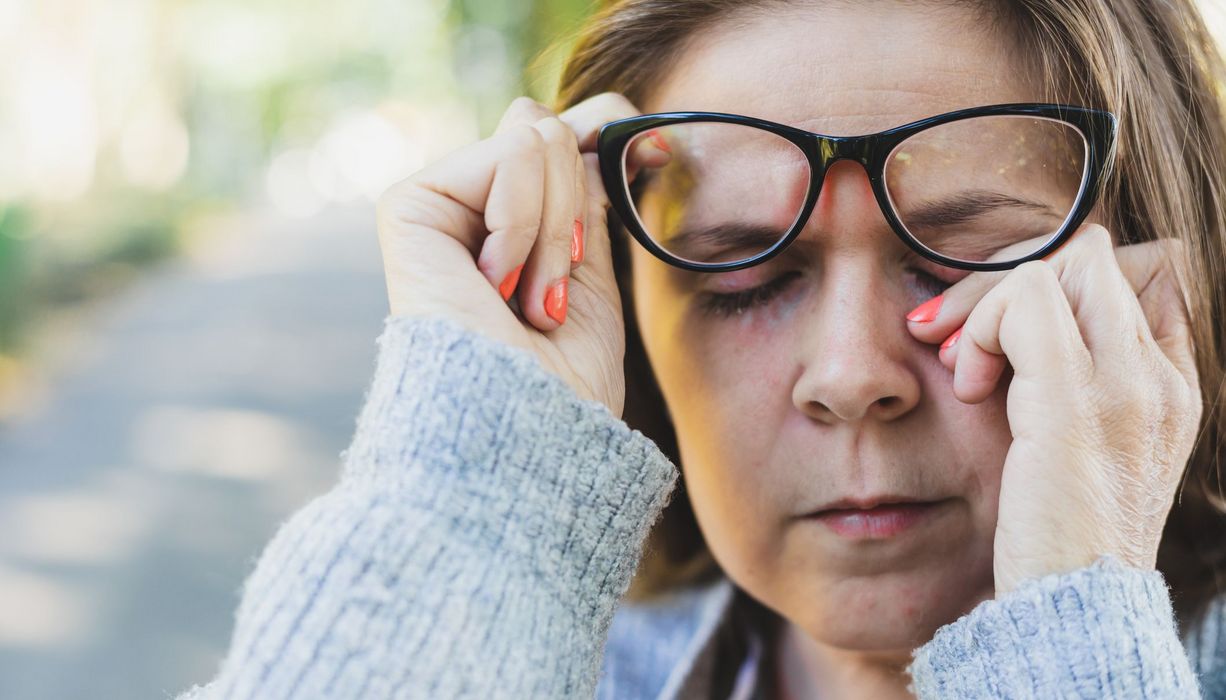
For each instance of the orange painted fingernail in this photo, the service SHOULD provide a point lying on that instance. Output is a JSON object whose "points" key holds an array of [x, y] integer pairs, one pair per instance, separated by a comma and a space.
{"points": [[659, 141], [555, 300], [926, 312], [508, 285], [576, 241], [952, 339]]}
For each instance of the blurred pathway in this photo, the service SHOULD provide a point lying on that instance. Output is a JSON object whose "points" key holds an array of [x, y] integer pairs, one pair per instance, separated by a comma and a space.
{"points": [[194, 412]]}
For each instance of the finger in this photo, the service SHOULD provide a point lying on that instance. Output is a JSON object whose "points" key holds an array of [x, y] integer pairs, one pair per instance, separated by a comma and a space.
{"points": [[1104, 304], [651, 149], [586, 117], [598, 257], [1097, 290], [514, 246], [579, 226], [522, 110], [513, 217], [1026, 319], [936, 319], [487, 195], [546, 273], [589, 116], [1152, 269]]}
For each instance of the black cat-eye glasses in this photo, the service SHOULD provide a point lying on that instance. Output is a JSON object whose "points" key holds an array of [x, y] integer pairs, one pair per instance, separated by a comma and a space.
{"points": [[985, 188]]}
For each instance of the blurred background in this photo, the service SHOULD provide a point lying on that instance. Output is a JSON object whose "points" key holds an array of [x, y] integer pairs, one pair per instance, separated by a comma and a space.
{"points": [[190, 289]]}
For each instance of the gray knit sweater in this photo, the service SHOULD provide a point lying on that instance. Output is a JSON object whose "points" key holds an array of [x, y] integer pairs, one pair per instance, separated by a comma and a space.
{"points": [[487, 520]]}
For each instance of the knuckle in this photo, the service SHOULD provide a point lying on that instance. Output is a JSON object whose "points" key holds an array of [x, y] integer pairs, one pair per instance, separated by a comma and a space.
{"points": [[401, 200], [526, 105], [395, 191], [1091, 245], [1102, 244], [406, 217], [557, 133], [522, 139], [1035, 272], [1097, 234], [613, 102]]}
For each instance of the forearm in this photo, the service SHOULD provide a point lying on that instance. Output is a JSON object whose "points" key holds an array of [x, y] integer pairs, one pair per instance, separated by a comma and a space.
{"points": [[486, 523]]}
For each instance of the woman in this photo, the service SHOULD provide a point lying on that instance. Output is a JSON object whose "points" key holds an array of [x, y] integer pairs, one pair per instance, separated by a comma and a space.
{"points": [[901, 478]]}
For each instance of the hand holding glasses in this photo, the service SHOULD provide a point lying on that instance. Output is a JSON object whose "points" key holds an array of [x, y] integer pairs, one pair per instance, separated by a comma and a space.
{"points": [[722, 192]]}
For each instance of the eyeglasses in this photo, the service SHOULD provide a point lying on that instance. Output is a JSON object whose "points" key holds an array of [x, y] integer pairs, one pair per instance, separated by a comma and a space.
{"points": [[986, 188]]}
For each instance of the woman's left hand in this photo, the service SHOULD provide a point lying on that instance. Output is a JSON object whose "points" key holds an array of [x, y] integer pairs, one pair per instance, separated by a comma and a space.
{"points": [[1103, 406]]}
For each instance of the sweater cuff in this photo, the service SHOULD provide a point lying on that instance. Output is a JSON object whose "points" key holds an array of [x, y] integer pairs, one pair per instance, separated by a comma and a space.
{"points": [[470, 430], [1105, 630]]}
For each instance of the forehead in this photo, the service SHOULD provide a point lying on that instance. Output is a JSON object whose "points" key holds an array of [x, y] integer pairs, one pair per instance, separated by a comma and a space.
{"points": [[844, 68]]}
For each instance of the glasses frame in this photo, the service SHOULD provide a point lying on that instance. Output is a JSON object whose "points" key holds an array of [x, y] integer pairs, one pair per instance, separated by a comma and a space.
{"points": [[1098, 127]]}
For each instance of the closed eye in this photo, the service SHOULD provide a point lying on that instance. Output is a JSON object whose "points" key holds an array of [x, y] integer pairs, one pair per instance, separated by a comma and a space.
{"points": [[727, 304], [730, 303]]}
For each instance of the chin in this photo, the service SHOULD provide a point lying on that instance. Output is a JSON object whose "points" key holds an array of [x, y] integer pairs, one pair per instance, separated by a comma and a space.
{"points": [[892, 612]]}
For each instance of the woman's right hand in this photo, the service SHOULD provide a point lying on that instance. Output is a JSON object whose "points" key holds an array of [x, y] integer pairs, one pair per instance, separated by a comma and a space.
{"points": [[490, 227]]}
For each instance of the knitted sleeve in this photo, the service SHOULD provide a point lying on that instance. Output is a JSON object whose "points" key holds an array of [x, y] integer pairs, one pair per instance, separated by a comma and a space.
{"points": [[1104, 631], [484, 526]]}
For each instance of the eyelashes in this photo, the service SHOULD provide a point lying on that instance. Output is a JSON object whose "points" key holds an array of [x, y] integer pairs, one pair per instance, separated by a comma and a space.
{"points": [[725, 305], [730, 304]]}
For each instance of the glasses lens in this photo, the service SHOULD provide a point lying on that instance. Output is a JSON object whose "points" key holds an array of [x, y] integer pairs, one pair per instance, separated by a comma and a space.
{"points": [[994, 188], [712, 192]]}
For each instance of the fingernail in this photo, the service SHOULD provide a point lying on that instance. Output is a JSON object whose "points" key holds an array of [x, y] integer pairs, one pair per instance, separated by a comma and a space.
{"points": [[508, 285], [659, 141], [555, 300], [952, 339], [576, 241], [926, 312]]}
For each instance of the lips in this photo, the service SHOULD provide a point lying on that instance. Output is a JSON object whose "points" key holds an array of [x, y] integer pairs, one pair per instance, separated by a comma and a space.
{"points": [[878, 518]]}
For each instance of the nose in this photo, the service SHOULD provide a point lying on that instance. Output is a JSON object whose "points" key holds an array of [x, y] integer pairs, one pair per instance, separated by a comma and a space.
{"points": [[855, 368], [856, 352]]}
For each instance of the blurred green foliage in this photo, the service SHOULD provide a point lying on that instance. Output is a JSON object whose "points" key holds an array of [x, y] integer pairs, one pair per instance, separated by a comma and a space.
{"points": [[246, 82], [126, 232], [538, 34]]}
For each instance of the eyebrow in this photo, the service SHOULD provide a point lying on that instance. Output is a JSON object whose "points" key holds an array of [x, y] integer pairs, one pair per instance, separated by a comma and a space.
{"points": [[724, 236], [956, 209], [965, 206]]}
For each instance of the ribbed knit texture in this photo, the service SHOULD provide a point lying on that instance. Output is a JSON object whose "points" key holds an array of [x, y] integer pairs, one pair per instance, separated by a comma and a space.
{"points": [[1206, 646], [1104, 631], [487, 520]]}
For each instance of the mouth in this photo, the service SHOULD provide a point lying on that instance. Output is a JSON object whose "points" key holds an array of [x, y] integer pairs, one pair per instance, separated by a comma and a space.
{"points": [[878, 518]]}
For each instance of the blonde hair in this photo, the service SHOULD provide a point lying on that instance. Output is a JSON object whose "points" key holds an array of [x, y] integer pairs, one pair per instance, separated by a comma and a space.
{"points": [[1153, 64]]}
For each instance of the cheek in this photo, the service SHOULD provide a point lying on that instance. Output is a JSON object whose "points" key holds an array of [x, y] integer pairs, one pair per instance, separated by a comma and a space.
{"points": [[979, 439], [728, 406]]}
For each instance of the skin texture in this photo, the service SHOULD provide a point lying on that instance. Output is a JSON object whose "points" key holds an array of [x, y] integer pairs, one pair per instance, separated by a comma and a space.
{"points": [[1053, 431], [825, 392]]}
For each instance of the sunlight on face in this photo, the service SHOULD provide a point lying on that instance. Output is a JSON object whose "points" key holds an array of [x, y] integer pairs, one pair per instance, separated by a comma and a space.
{"points": [[819, 393]]}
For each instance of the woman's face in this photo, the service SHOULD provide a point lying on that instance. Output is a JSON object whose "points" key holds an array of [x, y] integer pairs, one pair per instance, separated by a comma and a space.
{"points": [[821, 393]]}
